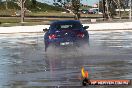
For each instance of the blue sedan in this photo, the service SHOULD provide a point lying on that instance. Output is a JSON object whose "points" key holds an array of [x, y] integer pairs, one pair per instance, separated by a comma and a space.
{"points": [[67, 33]]}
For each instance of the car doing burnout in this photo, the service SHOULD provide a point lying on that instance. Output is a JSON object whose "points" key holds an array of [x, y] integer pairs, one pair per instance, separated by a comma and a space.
{"points": [[68, 33]]}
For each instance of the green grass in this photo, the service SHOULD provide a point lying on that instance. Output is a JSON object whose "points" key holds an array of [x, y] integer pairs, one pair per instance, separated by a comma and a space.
{"points": [[10, 5], [9, 20], [42, 7], [29, 6], [91, 15], [8, 12], [57, 13], [14, 21], [24, 24]]}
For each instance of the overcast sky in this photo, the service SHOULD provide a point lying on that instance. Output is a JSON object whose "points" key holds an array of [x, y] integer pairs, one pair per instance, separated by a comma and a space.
{"points": [[88, 2]]}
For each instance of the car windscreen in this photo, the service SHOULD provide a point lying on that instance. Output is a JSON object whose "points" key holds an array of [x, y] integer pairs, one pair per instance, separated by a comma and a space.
{"points": [[69, 26]]}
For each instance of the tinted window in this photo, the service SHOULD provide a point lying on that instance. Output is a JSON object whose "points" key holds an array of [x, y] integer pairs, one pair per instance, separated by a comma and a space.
{"points": [[62, 26]]}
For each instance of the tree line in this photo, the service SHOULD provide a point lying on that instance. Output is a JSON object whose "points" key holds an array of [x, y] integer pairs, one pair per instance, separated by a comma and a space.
{"points": [[108, 7]]}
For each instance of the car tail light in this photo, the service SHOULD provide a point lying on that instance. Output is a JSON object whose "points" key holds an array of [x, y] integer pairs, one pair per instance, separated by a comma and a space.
{"points": [[80, 34], [52, 36]]}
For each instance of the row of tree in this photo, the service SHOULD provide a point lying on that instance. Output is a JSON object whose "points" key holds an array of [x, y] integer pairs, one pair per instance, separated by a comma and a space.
{"points": [[21, 4], [31, 3], [109, 7], [106, 6], [69, 5]]}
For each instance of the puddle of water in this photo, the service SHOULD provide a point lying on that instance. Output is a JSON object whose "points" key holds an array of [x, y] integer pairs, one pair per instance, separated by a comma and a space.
{"points": [[25, 64]]}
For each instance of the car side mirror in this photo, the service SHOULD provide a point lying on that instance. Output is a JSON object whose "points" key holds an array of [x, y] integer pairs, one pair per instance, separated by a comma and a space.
{"points": [[86, 27], [45, 30]]}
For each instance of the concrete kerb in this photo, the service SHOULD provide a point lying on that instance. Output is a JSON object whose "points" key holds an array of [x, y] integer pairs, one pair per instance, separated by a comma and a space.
{"points": [[92, 27]]}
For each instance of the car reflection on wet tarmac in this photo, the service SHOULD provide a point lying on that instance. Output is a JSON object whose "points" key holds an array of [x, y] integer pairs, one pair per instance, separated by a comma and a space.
{"points": [[24, 64]]}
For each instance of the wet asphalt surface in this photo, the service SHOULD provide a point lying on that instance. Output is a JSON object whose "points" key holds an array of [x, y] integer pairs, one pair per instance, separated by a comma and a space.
{"points": [[24, 64]]}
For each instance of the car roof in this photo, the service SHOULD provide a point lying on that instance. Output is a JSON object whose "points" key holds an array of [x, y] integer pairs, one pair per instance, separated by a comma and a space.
{"points": [[66, 21]]}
